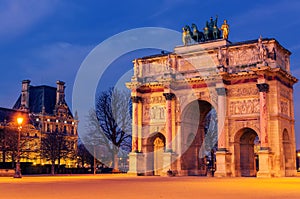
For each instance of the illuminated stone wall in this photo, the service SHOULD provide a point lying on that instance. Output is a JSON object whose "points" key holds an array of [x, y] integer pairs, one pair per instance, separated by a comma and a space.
{"points": [[250, 86]]}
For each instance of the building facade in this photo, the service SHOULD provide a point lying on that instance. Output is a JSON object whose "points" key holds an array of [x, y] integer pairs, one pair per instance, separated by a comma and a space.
{"points": [[45, 111], [249, 87]]}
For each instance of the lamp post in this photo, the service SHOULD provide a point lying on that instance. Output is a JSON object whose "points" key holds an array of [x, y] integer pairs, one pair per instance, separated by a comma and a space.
{"points": [[18, 168]]}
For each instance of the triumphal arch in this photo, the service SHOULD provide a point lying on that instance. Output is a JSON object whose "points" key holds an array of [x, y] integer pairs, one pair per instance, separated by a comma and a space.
{"points": [[212, 96]]}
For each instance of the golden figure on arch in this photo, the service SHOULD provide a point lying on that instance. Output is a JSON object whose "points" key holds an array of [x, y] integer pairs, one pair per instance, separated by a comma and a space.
{"points": [[225, 29]]}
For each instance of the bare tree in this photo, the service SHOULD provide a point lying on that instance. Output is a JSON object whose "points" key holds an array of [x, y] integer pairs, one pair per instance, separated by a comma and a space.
{"points": [[9, 142], [211, 132], [96, 141], [84, 156], [55, 146], [114, 120]]}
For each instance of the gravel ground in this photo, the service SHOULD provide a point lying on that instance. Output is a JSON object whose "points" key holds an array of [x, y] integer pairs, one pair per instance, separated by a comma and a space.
{"points": [[124, 186]]}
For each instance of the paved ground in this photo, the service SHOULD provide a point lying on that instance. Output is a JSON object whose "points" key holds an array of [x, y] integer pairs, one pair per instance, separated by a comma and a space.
{"points": [[123, 186]]}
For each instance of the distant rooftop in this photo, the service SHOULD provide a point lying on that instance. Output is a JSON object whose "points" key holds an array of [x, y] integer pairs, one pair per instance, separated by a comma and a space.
{"points": [[39, 97]]}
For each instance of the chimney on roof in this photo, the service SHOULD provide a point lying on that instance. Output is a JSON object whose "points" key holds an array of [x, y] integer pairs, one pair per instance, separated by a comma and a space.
{"points": [[60, 92], [25, 95]]}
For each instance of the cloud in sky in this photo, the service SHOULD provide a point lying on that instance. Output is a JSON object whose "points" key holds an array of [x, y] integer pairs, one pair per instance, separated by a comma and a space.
{"points": [[17, 17]]}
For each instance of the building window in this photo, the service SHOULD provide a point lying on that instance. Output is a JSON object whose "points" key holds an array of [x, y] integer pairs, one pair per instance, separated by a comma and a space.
{"points": [[72, 130], [65, 130], [56, 128]]}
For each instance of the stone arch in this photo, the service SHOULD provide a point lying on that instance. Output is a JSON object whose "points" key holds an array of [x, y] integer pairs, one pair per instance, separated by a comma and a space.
{"points": [[287, 152], [186, 101], [193, 161], [155, 148], [236, 130], [246, 143]]}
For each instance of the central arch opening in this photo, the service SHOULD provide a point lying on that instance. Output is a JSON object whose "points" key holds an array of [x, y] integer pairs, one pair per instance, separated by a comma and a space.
{"points": [[199, 137], [246, 148]]}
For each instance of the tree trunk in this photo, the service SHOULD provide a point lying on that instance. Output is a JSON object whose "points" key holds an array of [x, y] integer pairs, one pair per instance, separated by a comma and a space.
{"points": [[53, 168], [116, 161], [94, 164], [13, 161], [3, 156], [58, 166], [82, 162]]}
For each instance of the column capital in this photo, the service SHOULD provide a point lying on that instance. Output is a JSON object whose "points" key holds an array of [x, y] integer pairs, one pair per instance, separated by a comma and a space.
{"points": [[136, 99], [221, 91], [264, 87], [169, 96]]}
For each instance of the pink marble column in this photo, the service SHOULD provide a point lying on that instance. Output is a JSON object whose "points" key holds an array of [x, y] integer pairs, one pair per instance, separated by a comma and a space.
{"points": [[135, 114], [221, 118], [169, 97], [263, 89]]}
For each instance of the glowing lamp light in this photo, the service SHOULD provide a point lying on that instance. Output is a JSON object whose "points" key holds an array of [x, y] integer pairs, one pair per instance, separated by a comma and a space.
{"points": [[20, 120], [18, 167]]}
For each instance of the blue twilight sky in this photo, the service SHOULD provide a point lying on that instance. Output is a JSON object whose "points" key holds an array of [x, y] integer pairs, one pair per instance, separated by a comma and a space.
{"points": [[46, 40]]}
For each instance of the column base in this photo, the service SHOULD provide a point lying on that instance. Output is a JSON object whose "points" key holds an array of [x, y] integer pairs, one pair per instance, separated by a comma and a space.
{"points": [[169, 163], [264, 164], [223, 167], [136, 164]]}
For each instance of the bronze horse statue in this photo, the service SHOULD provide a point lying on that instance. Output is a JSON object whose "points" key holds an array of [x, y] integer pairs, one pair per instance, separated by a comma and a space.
{"points": [[211, 31], [186, 35], [197, 35], [216, 33]]}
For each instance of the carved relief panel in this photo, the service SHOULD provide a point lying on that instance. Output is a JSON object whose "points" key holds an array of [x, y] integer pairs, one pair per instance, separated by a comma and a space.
{"points": [[247, 106], [154, 108], [285, 98], [243, 100], [240, 92], [284, 108], [285, 92], [157, 113]]}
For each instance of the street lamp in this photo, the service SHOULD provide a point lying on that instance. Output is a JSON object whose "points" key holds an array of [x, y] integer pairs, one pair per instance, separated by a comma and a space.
{"points": [[18, 168]]}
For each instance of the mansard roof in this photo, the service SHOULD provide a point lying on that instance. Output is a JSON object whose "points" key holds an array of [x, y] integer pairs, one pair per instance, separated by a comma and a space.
{"points": [[41, 97]]}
